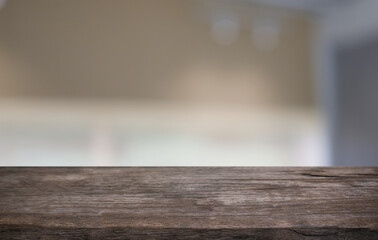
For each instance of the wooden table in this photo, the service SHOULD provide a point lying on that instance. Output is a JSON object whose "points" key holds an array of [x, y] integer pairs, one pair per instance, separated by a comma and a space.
{"points": [[189, 203]]}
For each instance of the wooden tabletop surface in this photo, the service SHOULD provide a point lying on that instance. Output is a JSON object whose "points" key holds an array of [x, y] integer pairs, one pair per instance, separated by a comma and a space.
{"points": [[189, 203]]}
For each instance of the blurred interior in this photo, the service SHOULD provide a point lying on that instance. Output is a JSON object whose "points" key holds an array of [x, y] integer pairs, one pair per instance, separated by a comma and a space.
{"points": [[188, 82]]}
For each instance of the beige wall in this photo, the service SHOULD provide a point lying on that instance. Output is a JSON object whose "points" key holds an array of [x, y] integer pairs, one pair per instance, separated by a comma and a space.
{"points": [[144, 49]]}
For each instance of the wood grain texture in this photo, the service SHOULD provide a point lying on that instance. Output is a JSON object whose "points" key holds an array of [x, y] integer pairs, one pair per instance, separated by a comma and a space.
{"points": [[188, 203]]}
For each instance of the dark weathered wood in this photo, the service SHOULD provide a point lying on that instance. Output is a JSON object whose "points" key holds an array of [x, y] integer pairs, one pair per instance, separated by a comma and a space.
{"points": [[188, 203]]}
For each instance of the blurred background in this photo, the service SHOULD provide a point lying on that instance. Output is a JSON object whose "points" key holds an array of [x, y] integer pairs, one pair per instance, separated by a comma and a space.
{"points": [[188, 82]]}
